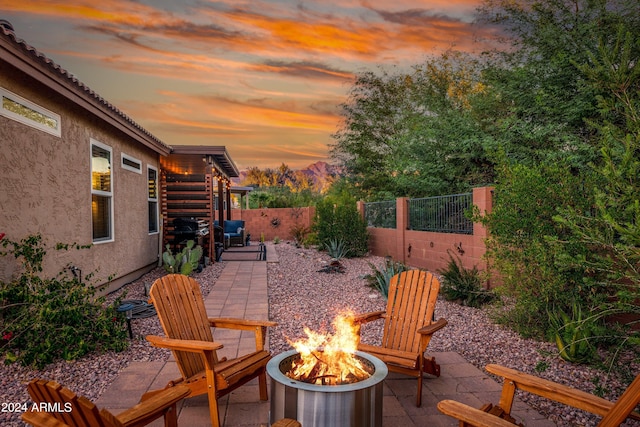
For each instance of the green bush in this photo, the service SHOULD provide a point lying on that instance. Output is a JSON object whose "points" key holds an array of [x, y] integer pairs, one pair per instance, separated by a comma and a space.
{"points": [[45, 319], [380, 278], [520, 225], [463, 285], [339, 219], [310, 240]]}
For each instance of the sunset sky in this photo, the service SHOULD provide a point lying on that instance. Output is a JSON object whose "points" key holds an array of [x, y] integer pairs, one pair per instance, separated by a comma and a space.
{"points": [[264, 78]]}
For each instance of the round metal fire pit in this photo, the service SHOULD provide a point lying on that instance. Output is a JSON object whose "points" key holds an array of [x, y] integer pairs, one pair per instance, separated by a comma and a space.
{"points": [[357, 404]]}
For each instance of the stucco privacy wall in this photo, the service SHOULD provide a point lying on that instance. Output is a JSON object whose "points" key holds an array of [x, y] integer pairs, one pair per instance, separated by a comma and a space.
{"points": [[274, 222], [45, 187], [423, 249]]}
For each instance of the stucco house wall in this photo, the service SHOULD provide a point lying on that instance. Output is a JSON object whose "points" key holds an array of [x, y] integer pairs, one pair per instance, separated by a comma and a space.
{"points": [[45, 180]]}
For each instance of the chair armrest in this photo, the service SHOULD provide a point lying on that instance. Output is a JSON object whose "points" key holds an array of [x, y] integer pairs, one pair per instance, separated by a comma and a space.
{"points": [[551, 390], [470, 415], [242, 324], [360, 319], [286, 422], [436, 326], [42, 419], [193, 346], [259, 327], [153, 407]]}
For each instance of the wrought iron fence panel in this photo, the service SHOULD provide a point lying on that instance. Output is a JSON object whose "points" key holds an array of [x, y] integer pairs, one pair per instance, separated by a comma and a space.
{"points": [[441, 214], [380, 214]]}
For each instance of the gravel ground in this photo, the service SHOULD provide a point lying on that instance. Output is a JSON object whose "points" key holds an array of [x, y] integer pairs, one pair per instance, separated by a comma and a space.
{"points": [[301, 295], [91, 375]]}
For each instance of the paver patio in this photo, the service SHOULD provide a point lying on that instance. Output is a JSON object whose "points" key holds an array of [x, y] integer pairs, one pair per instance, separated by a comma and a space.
{"points": [[241, 291]]}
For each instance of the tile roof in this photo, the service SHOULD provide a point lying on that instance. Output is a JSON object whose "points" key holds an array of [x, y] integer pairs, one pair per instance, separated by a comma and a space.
{"points": [[83, 90]]}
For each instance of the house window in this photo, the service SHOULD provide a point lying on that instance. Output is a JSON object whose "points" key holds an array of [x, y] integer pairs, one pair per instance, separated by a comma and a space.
{"points": [[17, 108], [131, 163], [101, 192], [152, 174]]}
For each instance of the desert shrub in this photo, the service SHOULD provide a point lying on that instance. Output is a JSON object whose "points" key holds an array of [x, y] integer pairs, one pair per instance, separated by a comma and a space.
{"points": [[339, 219], [526, 200], [380, 277], [463, 285], [45, 319], [310, 240], [299, 233]]}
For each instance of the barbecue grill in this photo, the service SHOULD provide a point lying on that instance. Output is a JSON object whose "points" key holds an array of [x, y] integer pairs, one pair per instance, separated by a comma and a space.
{"points": [[189, 229]]}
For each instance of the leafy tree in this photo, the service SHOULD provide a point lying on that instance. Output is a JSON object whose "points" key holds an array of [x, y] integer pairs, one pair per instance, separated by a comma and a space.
{"points": [[609, 233], [414, 134], [566, 140], [543, 100], [372, 120]]}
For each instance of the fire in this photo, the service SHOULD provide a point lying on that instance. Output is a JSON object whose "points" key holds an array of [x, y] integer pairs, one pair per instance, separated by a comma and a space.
{"points": [[329, 359]]}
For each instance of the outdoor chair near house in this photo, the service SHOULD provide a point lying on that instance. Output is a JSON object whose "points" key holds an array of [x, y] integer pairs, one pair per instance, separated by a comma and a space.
{"points": [[409, 324], [613, 413], [62, 407], [178, 301], [235, 230]]}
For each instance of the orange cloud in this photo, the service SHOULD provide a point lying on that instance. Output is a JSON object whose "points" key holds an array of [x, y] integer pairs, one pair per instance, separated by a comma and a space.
{"points": [[261, 77]]}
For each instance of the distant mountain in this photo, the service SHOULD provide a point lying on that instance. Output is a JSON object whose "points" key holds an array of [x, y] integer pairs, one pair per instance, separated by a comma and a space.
{"points": [[319, 172], [322, 170]]}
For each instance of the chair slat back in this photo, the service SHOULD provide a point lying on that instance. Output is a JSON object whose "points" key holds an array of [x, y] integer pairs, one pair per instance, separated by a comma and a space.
{"points": [[65, 405], [410, 306], [625, 404], [180, 307]]}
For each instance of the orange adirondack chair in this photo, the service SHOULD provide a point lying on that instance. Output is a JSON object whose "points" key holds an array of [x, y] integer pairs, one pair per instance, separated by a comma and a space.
{"points": [[68, 409], [613, 414], [408, 325], [178, 301]]}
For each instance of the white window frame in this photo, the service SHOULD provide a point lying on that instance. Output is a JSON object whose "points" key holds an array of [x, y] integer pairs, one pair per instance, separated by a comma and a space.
{"points": [[152, 199], [132, 159], [102, 193], [4, 93]]}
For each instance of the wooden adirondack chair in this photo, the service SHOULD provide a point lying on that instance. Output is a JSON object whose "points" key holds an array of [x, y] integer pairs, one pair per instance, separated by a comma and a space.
{"points": [[65, 408], [178, 301], [496, 416], [408, 325]]}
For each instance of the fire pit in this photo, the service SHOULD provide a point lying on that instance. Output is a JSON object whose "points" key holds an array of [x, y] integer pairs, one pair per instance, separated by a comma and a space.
{"points": [[354, 404], [324, 381]]}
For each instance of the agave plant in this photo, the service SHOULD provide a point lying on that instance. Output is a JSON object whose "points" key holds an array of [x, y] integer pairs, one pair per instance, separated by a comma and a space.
{"points": [[380, 278], [337, 249]]}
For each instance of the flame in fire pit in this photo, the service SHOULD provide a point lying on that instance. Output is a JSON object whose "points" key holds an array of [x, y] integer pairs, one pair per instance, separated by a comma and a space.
{"points": [[330, 359]]}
